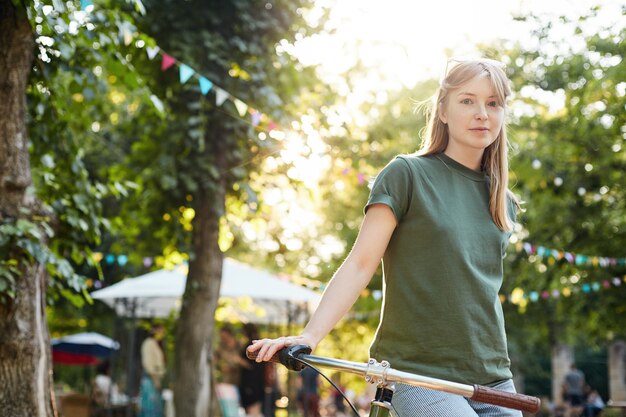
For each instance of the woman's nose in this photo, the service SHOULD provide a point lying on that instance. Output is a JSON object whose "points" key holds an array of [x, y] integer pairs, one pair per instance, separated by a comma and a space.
{"points": [[481, 113]]}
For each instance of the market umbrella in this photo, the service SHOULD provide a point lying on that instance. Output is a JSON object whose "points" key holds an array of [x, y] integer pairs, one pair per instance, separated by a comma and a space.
{"points": [[86, 348], [271, 298]]}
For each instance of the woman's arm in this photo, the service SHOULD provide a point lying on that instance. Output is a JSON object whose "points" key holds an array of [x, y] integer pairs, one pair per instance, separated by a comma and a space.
{"points": [[345, 286]]}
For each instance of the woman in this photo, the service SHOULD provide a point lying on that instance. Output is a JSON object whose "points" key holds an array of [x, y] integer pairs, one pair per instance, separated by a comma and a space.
{"points": [[440, 219], [153, 362]]}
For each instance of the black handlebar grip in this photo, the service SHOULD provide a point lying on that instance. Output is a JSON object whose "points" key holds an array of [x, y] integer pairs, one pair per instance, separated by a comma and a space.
{"points": [[287, 356]]}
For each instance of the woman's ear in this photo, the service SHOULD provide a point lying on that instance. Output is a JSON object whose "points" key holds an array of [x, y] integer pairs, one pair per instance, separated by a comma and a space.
{"points": [[442, 113]]}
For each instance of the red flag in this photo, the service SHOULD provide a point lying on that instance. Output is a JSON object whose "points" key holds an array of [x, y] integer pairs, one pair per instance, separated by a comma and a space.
{"points": [[167, 62]]}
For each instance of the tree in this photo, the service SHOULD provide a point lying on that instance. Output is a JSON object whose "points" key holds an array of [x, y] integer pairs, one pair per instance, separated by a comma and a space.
{"points": [[569, 168], [24, 351], [193, 162], [50, 210]]}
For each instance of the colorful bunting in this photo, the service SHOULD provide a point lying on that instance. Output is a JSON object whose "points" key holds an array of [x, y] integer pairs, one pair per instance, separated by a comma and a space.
{"points": [[158, 104], [185, 73], [167, 62], [152, 52], [570, 257], [84, 4], [518, 296], [205, 85], [521, 297], [220, 96], [127, 34], [242, 108]]}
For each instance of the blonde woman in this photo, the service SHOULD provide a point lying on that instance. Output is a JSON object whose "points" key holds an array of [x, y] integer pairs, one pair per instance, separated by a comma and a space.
{"points": [[440, 220]]}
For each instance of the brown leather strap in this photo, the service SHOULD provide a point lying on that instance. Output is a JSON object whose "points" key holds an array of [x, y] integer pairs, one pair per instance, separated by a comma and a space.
{"points": [[506, 399]]}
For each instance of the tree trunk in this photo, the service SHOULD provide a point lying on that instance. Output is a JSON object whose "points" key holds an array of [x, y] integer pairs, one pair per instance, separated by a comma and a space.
{"points": [[195, 325], [562, 358], [617, 371], [25, 375]]}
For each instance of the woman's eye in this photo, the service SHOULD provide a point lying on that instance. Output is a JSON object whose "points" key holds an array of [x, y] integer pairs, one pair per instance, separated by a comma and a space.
{"points": [[493, 104], [466, 101]]}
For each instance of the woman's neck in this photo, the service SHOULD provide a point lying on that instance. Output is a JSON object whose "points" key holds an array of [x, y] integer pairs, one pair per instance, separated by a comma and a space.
{"points": [[472, 160]]}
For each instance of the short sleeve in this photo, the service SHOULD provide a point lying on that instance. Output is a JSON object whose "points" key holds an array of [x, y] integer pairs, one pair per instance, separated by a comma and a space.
{"points": [[393, 187]]}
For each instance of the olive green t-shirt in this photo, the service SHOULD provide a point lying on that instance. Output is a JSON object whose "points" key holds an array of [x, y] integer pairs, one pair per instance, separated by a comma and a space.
{"points": [[441, 316]]}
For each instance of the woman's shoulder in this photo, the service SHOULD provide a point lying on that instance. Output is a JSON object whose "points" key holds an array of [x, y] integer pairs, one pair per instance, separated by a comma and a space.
{"points": [[416, 162], [410, 160]]}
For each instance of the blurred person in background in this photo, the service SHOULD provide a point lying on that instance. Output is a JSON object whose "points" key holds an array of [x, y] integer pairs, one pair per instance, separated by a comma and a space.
{"points": [[252, 377], [153, 363]]}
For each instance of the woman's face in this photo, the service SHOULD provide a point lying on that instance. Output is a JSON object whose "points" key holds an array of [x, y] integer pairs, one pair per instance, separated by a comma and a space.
{"points": [[159, 333], [474, 115]]}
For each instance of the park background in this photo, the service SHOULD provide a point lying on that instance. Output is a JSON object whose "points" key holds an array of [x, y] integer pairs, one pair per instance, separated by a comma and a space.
{"points": [[146, 134]]}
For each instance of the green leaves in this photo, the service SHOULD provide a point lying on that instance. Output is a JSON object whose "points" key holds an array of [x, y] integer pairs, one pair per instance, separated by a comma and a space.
{"points": [[24, 242], [569, 168]]}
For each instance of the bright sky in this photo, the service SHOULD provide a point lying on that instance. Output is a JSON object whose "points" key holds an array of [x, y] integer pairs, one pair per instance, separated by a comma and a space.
{"points": [[410, 40]]}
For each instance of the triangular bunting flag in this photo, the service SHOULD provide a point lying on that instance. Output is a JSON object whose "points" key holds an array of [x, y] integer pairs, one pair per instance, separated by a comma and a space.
{"points": [[256, 118], [167, 62], [185, 73], [84, 4], [272, 126], [205, 85], [128, 36], [220, 96], [242, 107], [158, 104], [152, 52]]}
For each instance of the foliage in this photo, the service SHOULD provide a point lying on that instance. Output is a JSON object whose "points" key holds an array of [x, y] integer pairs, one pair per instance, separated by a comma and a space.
{"points": [[175, 156], [73, 83], [569, 168]]}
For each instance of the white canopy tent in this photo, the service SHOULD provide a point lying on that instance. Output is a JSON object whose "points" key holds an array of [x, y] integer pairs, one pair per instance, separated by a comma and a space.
{"points": [[251, 295]]}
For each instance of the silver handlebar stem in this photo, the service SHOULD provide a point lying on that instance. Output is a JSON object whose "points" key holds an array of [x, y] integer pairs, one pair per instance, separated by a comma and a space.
{"points": [[382, 374]]}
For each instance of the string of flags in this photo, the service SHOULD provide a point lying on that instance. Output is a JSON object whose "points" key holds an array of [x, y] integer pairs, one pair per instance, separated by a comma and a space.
{"points": [[149, 261], [518, 296], [570, 257], [221, 95], [522, 297], [186, 72], [578, 259]]}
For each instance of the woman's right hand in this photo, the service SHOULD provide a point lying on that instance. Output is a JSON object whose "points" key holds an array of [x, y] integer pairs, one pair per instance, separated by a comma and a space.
{"points": [[267, 348]]}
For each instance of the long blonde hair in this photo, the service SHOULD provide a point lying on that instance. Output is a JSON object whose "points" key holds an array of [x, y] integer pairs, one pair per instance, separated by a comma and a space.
{"points": [[495, 158]]}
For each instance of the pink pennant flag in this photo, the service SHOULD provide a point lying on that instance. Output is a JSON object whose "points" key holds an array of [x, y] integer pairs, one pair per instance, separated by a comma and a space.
{"points": [[272, 126], [167, 62]]}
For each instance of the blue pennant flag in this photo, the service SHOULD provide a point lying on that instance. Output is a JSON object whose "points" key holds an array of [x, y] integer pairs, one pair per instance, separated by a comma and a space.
{"points": [[205, 85], [185, 73], [85, 3]]}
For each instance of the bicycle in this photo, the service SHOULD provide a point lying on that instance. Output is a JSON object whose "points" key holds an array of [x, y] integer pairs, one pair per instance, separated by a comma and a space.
{"points": [[297, 357]]}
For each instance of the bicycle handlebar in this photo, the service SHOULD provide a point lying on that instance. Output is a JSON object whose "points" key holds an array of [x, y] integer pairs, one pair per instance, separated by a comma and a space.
{"points": [[381, 373]]}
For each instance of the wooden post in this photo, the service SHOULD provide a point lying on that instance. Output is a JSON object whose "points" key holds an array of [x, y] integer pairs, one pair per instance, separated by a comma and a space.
{"points": [[562, 358], [617, 372]]}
